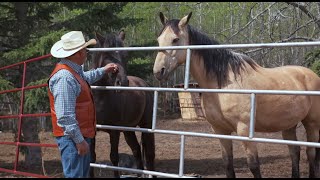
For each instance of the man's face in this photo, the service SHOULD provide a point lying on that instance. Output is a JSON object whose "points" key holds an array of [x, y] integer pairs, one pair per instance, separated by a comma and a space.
{"points": [[83, 55]]}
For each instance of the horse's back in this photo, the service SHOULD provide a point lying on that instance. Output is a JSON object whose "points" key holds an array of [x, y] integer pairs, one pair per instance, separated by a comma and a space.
{"points": [[301, 77], [273, 112], [135, 81], [279, 78], [146, 119]]}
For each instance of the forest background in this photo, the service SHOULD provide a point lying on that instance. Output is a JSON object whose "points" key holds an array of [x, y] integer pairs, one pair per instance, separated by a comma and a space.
{"points": [[29, 29]]}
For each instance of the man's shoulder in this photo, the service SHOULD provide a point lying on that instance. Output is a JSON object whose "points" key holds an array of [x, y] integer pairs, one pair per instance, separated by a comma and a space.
{"points": [[62, 74]]}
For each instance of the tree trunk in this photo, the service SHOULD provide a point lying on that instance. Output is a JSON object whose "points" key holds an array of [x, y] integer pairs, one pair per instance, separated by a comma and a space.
{"points": [[33, 155], [21, 11]]}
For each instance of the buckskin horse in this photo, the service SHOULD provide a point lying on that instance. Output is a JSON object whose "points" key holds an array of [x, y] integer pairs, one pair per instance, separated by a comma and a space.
{"points": [[227, 113], [129, 108]]}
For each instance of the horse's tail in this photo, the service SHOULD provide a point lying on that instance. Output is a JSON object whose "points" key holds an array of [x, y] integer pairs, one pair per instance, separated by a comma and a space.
{"points": [[143, 153], [318, 152], [92, 156]]}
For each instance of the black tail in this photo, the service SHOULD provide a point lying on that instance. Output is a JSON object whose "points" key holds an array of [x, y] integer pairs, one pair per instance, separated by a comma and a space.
{"points": [[318, 153], [143, 151], [93, 156]]}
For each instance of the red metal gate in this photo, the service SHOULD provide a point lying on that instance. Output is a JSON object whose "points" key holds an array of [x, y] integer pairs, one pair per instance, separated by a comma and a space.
{"points": [[21, 115]]}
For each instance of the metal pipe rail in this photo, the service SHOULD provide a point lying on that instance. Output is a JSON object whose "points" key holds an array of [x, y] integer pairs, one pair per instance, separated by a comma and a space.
{"points": [[183, 134], [207, 135], [21, 115], [25, 88], [26, 61], [233, 91], [156, 90], [138, 171], [220, 46], [186, 89]]}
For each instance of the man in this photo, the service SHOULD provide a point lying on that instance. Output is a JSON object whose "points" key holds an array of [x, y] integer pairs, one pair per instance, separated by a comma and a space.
{"points": [[71, 103]]}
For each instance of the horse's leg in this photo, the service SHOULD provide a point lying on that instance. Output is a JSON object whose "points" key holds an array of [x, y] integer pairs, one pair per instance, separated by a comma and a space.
{"points": [[312, 136], [290, 134], [148, 147], [132, 141], [251, 151], [317, 160], [147, 139], [227, 156], [227, 153], [93, 156], [114, 153]]}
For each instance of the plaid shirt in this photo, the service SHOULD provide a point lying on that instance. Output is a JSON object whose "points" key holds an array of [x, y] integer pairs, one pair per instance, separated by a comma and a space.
{"points": [[65, 89]]}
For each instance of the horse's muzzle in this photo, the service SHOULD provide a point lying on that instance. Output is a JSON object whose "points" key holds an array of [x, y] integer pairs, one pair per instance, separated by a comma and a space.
{"points": [[161, 75]]}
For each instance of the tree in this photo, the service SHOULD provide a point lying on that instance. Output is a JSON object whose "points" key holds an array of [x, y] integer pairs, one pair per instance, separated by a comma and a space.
{"points": [[29, 29], [8, 103]]}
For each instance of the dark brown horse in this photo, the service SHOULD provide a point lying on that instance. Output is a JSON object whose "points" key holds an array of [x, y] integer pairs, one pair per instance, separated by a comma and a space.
{"points": [[123, 108], [227, 113]]}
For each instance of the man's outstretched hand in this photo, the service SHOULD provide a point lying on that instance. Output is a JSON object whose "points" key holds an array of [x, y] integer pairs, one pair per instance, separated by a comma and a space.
{"points": [[111, 68]]}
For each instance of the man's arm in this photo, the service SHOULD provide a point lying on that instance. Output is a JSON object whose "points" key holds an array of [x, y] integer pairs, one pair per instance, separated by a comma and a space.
{"points": [[96, 74]]}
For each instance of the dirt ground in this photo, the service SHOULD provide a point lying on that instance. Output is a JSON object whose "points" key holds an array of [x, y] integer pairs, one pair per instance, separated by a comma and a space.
{"points": [[202, 155]]}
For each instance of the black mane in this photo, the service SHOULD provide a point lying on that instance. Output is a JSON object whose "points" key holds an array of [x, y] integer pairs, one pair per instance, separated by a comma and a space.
{"points": [[110, 40], [216, 61]]}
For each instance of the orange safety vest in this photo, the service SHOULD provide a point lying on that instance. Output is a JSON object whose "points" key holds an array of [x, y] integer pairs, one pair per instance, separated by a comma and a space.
{"points": [[85, 109]]}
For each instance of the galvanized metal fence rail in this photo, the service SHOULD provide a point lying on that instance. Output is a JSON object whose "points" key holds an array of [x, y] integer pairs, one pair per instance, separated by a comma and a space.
{"points": [[182, 134], [186, 89]]}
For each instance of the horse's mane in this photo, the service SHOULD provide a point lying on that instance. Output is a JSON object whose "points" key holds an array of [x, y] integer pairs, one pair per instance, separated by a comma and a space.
{"points": [[216, 61]]}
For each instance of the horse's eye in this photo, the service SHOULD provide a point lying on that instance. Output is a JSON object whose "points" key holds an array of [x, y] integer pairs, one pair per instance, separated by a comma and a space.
{"points": [[175, 40]]}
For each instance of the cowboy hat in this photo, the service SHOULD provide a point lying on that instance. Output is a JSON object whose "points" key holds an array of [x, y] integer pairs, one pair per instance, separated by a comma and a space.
{"points": [[69, 44]]}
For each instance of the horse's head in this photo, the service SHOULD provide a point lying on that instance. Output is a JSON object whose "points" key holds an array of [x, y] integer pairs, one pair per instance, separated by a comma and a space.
{"points": [[103, 58], [174, 33]]}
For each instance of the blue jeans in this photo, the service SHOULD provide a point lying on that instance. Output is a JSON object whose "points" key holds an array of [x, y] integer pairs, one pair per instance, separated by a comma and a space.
{"points": [[74, 165]]}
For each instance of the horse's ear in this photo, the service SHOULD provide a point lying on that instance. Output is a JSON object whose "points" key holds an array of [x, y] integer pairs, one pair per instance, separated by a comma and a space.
{"points": [[99, 37], [122, 34], [163, 18], [184, 21]]}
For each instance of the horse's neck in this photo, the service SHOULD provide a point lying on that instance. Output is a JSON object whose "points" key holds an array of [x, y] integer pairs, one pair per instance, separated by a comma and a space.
{"points": [[102, 82], [198, 72]]}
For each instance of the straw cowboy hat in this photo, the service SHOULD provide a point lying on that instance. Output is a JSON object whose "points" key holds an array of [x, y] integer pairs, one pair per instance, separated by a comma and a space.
{"points": [[69, 44]]}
